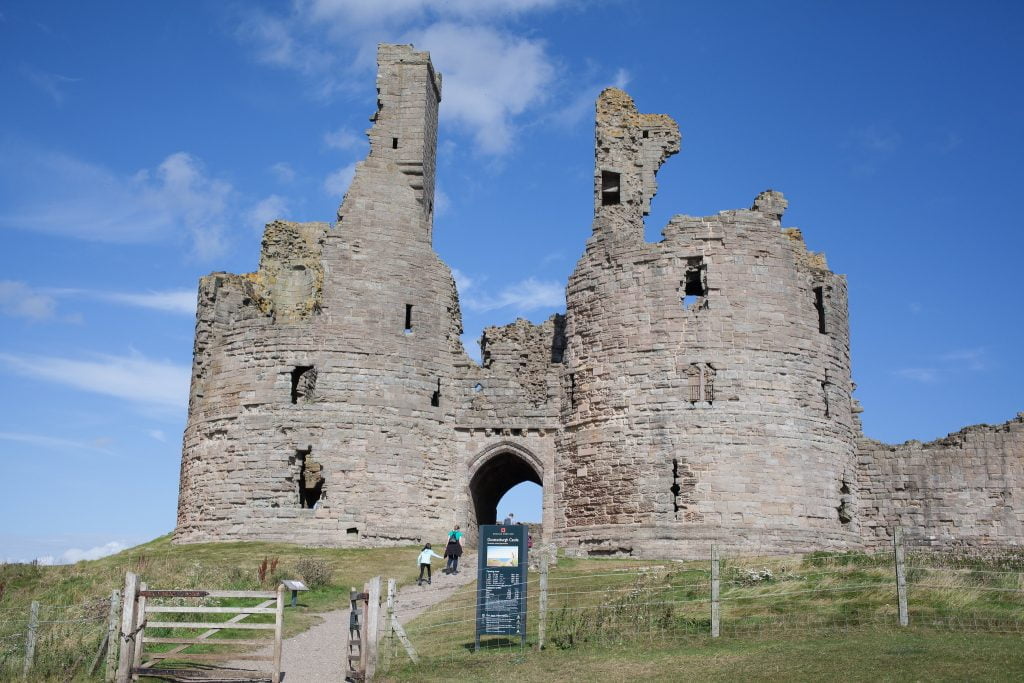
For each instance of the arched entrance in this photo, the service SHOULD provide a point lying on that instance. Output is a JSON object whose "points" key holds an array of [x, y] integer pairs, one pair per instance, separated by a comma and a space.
{"points": [[494, 471]]}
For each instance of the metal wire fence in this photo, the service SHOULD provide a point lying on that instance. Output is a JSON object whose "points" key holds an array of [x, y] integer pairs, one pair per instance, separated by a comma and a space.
{"points": [[596, 603]]}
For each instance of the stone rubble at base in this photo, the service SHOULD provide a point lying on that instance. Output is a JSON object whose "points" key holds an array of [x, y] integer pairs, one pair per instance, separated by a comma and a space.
{"points": [[697, 390]]}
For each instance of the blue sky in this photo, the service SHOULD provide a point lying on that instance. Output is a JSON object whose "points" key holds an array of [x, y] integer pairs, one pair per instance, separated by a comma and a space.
{"points": [[143, 145]]}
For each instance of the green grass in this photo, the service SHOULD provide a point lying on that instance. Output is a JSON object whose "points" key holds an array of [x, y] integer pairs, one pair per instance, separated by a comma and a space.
{"points": [[801, 617], [876, 655], [66, 649]]}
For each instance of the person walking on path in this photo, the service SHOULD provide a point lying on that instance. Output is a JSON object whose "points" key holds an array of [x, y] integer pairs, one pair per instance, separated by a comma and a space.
{"points": [[453, 550], [425, 556]]}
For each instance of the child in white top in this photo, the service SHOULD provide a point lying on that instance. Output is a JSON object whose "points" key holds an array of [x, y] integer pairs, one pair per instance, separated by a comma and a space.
{"points": [[424, 561]]}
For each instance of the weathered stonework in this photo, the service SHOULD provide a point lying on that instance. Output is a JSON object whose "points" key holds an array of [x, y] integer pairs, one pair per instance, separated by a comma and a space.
{"points": [[696, 390]]}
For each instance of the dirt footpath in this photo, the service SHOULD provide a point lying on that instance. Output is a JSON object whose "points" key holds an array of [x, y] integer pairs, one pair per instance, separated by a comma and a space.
{"points": [[318, 655]]}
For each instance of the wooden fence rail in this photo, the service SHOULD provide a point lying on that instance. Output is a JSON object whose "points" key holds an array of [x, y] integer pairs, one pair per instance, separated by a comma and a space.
{"points": [[138, 657]]}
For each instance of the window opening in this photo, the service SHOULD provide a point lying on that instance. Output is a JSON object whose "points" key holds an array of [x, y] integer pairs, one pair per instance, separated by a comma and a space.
{"points": [[477, 388], [408, 318], [352, 530], [303, 384], [700, 378], [845, 508], [824, 394], [572, 390], [435, 398], [819, 305], [394, 143], [646, 134], [610, 193], [311, 480], [675, 488], [693, 286]]}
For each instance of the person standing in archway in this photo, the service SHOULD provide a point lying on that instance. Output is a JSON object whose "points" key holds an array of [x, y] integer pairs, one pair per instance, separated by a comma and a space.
{"points": [[509, 519], [453, 550]]}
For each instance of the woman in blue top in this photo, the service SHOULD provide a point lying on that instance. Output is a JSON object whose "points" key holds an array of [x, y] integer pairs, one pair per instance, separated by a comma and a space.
{"points": [[453, 550]]}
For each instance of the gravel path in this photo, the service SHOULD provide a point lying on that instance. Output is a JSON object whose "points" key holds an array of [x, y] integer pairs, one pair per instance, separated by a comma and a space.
{"points": [[318, 655]]}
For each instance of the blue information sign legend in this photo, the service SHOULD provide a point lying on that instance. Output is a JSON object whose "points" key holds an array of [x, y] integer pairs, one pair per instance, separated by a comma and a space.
{"points": [[501, 581]]}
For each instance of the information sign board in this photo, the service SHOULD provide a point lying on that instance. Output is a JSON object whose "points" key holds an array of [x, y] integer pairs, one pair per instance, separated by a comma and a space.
{"points": [[501, 581]]}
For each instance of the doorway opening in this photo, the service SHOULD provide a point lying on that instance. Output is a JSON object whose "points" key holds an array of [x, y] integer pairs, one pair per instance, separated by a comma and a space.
{"points": [[504, 479]]}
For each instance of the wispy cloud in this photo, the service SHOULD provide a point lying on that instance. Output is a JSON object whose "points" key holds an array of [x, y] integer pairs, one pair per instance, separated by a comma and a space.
{"points": [[58, 194], [19, 300], [283, 171], [266, 210], [336, 183], [55, 443], [581, 106], [343, 138], [527, 295], [133, 378], [50, 83], [73, 555], [944, 365], [333, 42]]}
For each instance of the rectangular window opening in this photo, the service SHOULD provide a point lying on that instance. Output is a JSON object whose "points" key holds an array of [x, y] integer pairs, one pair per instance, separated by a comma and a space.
{"points": [[693, 287], [646, 133], [303, 384], [435, 398], [610, 194], [311, 480], [408, 318], [819, 305], [572, 390], [352, 530], [394, 143]]}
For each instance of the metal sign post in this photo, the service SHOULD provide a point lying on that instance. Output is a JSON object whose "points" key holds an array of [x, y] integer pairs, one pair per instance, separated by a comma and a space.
{"points": [[501, 581]]}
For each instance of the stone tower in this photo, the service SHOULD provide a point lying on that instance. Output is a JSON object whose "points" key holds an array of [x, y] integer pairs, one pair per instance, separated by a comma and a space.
{"points": [[708, 374]]}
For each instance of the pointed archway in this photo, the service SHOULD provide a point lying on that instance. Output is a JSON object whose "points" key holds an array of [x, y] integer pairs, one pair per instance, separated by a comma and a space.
{"points": [[494, 471]]}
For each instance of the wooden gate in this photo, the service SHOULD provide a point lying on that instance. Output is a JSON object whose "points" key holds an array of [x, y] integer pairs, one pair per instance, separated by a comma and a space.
{"points": [[142, 614]]}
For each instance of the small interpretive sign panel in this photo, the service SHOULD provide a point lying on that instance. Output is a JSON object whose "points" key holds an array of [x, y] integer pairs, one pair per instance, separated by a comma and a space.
{"points": [[501, 581]]}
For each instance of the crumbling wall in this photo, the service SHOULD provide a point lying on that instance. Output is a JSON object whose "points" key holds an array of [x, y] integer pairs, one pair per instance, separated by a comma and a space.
{"points": [[966, 489], [706, 395]]}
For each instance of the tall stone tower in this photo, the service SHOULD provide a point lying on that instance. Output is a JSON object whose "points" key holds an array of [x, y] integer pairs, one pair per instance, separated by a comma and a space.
{"points": [[707, 375], [318, 384]]}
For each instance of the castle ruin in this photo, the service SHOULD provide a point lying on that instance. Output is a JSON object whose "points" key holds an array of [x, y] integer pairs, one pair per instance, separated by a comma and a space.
{"points": [[696, 390]]}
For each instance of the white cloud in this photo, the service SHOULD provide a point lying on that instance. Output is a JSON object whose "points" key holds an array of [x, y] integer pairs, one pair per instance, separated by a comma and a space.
{"points": [[967, 359], [266, 210], [283, 171], [49, 83], [491, 75], [442, 202], [526, 295], [484, 95], [57, 194], [462, 281], [157, 434], [173, 300], [73, 555], [923, 375], [581, 106], [52, 442], [19, 300], [133, 378], [343, 138], [336, 183]]}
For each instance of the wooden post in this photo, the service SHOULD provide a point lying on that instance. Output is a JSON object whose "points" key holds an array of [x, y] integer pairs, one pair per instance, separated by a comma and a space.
{"points": [[716, 607], [115, 605], [542, 611], [357, 634], [140, 620], [126, 636], [30, 638], [278, 633], [372, 625], [901, 577], [389, 617]]}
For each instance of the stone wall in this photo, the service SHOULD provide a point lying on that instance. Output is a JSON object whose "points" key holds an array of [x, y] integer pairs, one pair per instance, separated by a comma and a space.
{"points": [[696, 391], [966, 489]]}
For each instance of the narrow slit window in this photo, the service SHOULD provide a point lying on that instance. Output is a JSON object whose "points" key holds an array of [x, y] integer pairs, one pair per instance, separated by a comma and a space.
{"points": [[675, 488], [646, 134], [819, 305], [824, 397], [435, 398], [394, 143], [408, 318], [610, 192], [572, 390]]}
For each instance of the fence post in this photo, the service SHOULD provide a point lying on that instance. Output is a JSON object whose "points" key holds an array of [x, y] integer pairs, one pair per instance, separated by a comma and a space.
{"points": [[901, 577], [126, 638], [140, 637], [716, 607], [372, 626], [542, 611], [278, 633], [115, 604], [389, 618], [30, 638]]}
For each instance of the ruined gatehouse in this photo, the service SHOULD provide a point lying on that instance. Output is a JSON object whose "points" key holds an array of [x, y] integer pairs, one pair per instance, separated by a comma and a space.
{"points": [[696, 390]]}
